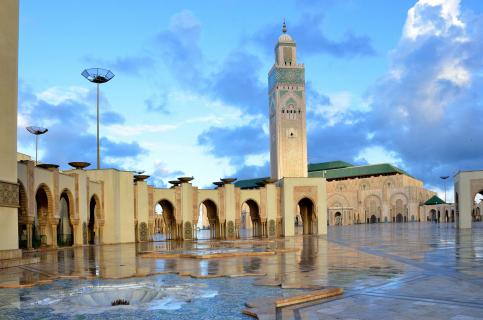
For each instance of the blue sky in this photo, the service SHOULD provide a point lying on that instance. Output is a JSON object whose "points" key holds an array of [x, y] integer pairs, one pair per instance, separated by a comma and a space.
{"points": [[387, 81]]}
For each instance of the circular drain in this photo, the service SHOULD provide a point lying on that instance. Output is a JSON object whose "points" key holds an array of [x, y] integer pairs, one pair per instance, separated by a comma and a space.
{"points": [[118, 297], [120, 302], [96, 299]]}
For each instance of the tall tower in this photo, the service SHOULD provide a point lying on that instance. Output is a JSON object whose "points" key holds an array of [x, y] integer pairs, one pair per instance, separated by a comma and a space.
{"points": [[286, 91]]}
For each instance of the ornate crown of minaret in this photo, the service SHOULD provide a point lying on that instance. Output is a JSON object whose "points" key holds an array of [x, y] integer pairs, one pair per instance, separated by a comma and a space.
{"points": [[286, 91]]}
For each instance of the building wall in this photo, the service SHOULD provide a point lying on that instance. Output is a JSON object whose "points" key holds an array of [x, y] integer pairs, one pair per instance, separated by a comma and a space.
{"points": [[355, 200], [467, 185], [8, 128], [295, 189], [117, 204]]}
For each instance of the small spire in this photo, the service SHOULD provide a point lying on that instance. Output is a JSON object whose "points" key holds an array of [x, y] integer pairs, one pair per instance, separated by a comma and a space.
{"points": [[284, 26]]}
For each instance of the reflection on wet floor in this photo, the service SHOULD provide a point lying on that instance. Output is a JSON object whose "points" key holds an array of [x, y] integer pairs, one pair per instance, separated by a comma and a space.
{"points": [[419, 261]]}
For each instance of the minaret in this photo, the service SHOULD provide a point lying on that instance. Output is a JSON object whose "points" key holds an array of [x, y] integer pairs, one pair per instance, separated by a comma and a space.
{"points": [[286, 92]]}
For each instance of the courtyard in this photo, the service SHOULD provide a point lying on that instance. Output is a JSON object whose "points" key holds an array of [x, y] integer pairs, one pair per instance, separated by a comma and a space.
{"points": [[401, 271]]}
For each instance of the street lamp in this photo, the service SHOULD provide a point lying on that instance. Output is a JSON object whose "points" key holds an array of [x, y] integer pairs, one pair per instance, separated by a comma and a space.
{"points": [[98, 76], [444, 179], [37, 131]]}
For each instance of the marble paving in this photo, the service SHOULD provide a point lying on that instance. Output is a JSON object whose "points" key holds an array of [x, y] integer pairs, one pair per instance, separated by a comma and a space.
{"points": [[388, 271]]}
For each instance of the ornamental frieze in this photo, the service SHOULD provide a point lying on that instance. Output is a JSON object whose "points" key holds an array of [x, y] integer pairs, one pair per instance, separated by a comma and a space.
{"points": [[292, 76], [9, 194]]}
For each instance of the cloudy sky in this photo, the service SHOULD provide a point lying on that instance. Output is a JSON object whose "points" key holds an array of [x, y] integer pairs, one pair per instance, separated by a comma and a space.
{"points": [[387, 81]]}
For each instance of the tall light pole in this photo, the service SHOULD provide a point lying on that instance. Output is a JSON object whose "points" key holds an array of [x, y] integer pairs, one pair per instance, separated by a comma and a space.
{"points": [[444, 179], [37, 131], [98, 76]]}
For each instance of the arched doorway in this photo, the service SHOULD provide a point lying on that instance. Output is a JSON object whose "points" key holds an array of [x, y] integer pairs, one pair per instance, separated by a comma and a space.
{"points": [[373, 219], [372, 206], [399, 211], [434, 216], [64, 228], [23, 231], [211, 210], [306, 209], [94, 209], [168, 225], [41, 230], [252, 218], [338, 218]]}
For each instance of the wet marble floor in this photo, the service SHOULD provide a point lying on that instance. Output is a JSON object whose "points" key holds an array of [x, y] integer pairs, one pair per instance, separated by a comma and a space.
{"points": [[394, 271]]}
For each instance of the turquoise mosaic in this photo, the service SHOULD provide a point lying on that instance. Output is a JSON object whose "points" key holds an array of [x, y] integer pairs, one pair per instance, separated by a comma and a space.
{"points": [[292, 76]]}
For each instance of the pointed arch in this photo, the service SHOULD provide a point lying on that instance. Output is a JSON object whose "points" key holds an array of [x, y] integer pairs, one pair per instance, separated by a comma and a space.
{"points": [[66, 214], [213, 217], [307, 212]]}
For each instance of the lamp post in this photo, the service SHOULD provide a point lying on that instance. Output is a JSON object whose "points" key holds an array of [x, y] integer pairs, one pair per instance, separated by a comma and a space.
{"points": [[444, 179], [37, 131], [98, 76]]}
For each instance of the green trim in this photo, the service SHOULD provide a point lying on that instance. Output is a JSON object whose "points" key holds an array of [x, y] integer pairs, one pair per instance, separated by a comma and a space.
{"points": [[336, 170], [249, 183], [358, 171], [434, 200], [328, 165]]}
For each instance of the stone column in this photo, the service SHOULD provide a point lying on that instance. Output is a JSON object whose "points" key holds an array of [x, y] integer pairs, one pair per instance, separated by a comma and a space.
{"points": [[29, 236], [9, 200], [54, 234], [75, 228]]}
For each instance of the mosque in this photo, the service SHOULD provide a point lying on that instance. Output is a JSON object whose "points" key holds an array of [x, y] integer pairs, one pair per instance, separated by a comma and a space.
{"points": [[42, 206]]}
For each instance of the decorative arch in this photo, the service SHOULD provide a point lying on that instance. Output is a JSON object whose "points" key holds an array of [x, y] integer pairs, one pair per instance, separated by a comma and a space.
{"points": [[253, 215], [93, 227], [66, 216], [213, 217], [337, 200], [73, 215], [372, 208], [307, 212], [24, 228], [168, 219], [47, 212], [44, 214], [399, 207]]}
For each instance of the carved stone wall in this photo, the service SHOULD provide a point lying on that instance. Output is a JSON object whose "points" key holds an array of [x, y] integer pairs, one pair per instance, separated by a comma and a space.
{"points": [[143, 231], [9, 194]]}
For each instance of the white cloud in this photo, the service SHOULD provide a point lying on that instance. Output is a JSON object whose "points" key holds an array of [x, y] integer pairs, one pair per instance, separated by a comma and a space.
{"points": [[420, 22], [454, 72], [378, 154], [342, 104], [57, 95], [122, 130], [257, 159]]}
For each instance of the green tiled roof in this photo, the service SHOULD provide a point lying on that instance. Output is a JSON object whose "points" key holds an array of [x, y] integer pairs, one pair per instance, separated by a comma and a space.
{"points": [[336, 170], [328, 165], [250, 183], [358, 171], [434, 200]]}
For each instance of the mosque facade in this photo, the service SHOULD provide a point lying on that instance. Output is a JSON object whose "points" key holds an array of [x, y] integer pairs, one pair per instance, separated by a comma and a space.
{"points": [[42, 206], [80, 207]]}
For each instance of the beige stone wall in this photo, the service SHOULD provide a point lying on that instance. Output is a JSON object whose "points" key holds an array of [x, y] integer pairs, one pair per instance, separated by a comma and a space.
{"points": [[384, 197], [141, 210], [293, 190], [117, 204], [8, 127], [466, 185]]}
